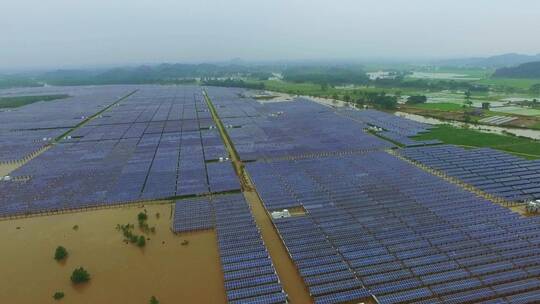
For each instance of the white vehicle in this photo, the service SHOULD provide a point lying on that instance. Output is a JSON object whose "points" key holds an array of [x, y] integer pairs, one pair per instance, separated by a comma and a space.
{"points": [[533, 206], [281, 214]]}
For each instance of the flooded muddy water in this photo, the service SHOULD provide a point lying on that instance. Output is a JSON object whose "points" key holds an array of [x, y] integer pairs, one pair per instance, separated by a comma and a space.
{"points": [[6, 168], [120, 272]]}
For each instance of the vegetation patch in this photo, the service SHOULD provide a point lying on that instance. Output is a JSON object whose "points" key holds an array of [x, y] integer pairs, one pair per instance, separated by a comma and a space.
{"points": [[128, 230], [443, 106], [12, 81], [19, 101], [233, 83], [58, 295], [525, 147], [325, 75], [80, 275], [60, 253]]}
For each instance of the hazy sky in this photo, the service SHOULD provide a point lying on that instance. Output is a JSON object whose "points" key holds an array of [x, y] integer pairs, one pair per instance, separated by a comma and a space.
{"points": [[63, 33]]}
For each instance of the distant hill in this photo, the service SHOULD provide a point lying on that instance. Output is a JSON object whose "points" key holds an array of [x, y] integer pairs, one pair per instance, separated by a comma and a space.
{"points": [[525, 70], [499, 61]]}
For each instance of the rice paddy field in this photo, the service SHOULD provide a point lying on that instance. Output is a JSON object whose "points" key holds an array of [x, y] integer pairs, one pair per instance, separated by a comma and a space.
{"points": [[183, 193]]}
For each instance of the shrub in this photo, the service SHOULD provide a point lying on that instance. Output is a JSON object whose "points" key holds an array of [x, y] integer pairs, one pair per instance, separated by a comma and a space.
{"points": [[141, 241], [417, 99], [153, 300], [58, 295], [142, 217], [60, 253], [80, 275]]}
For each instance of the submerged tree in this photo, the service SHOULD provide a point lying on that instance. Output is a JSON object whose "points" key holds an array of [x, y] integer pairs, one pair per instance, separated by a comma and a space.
{"points": [[141, 241], [58, 295], [60, 253], [80, 275]]}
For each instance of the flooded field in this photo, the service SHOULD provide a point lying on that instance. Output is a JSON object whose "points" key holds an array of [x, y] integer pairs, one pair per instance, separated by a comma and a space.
{"points": [[288, 274], [528, 133], [517, 110], [6, 168], [120, 272], [442, 76]]}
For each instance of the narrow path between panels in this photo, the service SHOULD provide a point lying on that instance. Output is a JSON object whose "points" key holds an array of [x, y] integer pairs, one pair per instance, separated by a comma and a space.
{"points": [[288, 274]]}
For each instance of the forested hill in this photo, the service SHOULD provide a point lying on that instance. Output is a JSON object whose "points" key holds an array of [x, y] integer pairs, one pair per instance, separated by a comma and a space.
{"points": [[526, 70]]}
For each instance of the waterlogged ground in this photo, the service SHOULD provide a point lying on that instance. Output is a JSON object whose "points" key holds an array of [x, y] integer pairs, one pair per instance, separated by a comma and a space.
{"points": [[6, 168], [120, 272]]}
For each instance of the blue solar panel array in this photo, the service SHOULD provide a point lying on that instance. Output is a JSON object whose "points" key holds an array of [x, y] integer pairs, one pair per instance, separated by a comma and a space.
{"points": [[384, 227], [372, 224], [160, 142], [25, 130], [289, 129], [222, 177], [495, 172], [395, 128], [193, 215], [249, 274]]}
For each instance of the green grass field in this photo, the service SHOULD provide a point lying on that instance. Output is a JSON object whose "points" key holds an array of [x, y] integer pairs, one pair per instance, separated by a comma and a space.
{"points": [[443, 106], [19, 101], [524, 147], [312, 89], [521, 84]]}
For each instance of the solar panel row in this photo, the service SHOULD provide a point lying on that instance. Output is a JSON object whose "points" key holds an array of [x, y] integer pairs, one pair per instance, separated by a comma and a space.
{"points": [[288, 129], [27, 129], [156, 144], [249, 274], [406, 235], [392, 127], [494, 172]]}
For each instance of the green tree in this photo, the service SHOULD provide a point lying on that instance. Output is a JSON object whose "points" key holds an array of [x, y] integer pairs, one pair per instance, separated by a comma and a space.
{"points": [[381, 100], [153, 300], [60, 253], [141, 241], [80, 275], [417, 99], [535, 88], [142, 217], [468, 101]]}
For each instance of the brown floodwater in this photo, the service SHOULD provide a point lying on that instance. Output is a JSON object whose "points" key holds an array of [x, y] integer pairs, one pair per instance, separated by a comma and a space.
{"points": [[6, 168], [120, 272], [288, 274]]}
